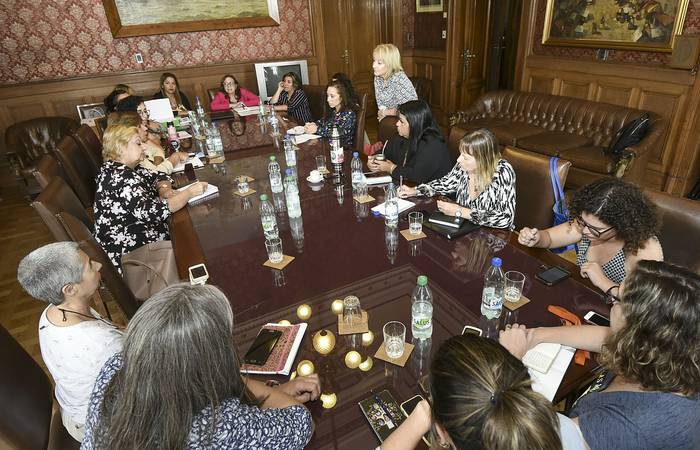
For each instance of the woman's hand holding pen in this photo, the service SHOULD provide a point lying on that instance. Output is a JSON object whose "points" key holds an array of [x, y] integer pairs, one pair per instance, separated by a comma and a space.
{"points": [[405, 191]]}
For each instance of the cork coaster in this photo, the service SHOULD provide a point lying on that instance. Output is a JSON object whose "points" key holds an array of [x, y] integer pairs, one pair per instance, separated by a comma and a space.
{"points": [[412, 237], [381, 354], [245, 178], [362, 327], [365, 199], [280, 265], [515, 305], [325, 171], [250, 192]]}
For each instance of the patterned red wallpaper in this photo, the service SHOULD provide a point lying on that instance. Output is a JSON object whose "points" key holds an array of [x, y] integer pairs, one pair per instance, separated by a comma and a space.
{"points": [[50, 39], [691, 27]]}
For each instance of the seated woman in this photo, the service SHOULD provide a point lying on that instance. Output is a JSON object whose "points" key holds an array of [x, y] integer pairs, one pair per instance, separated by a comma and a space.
{"points": [[482, 399], [648, 395], [338, 113], [291, 97], [132, 204], [119, 93], [75, 341], [391, 85], [419, 153], [484, 183], [353, 97], [170, 89], [178, 384], [231, 95], [614, 226]]}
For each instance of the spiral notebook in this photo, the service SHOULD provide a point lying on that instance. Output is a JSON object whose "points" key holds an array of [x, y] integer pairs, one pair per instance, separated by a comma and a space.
{"points": [[282, 357]]}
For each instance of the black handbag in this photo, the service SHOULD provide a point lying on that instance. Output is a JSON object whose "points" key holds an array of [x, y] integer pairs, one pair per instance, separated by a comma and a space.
{"points": [[628, 135]]}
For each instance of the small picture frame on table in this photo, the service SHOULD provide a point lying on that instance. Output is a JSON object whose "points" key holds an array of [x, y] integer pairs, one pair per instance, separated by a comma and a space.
{"points": [[91, 111]]}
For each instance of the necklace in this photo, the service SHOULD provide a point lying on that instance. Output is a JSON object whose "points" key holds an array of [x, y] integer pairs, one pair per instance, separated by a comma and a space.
{"points": [[65, 319]]}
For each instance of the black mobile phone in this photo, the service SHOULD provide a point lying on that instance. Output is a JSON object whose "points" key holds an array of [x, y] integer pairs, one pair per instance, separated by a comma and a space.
{"points": [[407, 408], [553, 275], [594, 318], [262, 347], [189, 172]]}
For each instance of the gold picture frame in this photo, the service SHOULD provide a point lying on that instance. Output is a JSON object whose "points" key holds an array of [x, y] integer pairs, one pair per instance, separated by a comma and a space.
{"points": [[423, 6], [134, 18], [640, 25]]}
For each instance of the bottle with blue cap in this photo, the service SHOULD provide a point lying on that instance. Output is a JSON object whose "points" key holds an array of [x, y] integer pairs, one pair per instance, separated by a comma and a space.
{"points": [[492, 295]]}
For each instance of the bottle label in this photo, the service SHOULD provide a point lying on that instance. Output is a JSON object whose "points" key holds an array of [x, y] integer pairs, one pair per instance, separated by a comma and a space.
{"points": [[490, 299]]}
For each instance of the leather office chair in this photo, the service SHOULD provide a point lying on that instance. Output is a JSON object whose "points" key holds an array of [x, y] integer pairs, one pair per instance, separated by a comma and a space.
{"points": [[100, 126], [46, 169], [680, 227], [90, 144], [387, 128], [361, 117], [533, 187], [30, 418], [423, 88], [55, 198], [317, 99], [81, 173]]}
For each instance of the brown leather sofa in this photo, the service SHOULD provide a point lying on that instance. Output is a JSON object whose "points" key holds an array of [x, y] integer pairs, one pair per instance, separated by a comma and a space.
{"points": [[573, 129]]}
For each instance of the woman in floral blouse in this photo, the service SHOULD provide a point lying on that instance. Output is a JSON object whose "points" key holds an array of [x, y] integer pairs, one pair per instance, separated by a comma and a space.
{"points": [[391, 85], [132, 203], [339, 113], [484, 184]]}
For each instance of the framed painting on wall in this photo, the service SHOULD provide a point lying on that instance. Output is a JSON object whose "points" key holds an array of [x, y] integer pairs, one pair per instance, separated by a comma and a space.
{"points": [[141, 18], [429, 6], [642, 25]]}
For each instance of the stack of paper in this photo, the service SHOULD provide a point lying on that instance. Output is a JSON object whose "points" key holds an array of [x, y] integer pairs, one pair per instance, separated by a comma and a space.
{"points": [[246, 110], [305, 137], [378, 180], [403, 206], [211, 191]]}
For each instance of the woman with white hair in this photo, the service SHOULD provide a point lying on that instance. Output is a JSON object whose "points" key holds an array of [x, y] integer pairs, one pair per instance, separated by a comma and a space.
{"points": [[391, 85], [75, 341]]}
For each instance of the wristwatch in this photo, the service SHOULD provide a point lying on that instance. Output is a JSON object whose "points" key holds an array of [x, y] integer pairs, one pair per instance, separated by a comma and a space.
{"points": [[458, 213]]}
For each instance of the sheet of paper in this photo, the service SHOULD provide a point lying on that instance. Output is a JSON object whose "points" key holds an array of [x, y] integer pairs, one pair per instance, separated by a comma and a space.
{"points": [[195, 161], [159, 110], [183, 135], [403, 206], [378, 180], [548, 383], [305, 137]]}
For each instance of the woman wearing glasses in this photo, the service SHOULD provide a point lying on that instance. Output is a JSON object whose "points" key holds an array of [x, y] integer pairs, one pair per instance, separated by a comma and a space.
{"points": [[614, 227], [647, 396], [231, 95]]}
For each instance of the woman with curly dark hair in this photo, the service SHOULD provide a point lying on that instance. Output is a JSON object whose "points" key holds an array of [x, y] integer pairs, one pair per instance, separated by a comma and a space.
{"points": [[648, 395], [613, 224]]}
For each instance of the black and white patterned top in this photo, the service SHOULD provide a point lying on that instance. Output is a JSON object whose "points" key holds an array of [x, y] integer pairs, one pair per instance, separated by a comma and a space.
{"points": [[494, 207], [394, 91], [346, 123], [613, 269], [297, 106], [239, 426], [128, 211]]}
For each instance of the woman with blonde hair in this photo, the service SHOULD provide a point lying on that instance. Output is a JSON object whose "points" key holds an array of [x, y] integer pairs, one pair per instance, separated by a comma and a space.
{"points": [[132, 203], [481, 398], [170, 89], [391, 85], [483, 183]]}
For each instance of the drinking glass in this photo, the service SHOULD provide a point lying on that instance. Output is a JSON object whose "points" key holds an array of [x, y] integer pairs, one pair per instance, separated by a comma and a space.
{"points": [[415, 223], [243, 186], [352, 315], [321, 163], [274, 250], [394, 339], [361, 190], [514, 286]]}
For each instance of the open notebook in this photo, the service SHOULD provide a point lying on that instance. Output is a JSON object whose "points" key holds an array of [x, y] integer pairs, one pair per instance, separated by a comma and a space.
{"points": [[555, 359], [211, 191]]}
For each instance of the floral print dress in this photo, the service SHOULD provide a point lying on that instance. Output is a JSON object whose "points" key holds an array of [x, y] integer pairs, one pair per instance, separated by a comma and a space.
{"points": [[128, 211], [346, 123]]}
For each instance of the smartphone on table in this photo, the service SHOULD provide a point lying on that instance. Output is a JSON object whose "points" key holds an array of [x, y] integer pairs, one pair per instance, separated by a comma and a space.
{"points": [[262, 347], [594, 318], [553, 275], [407, 408]]}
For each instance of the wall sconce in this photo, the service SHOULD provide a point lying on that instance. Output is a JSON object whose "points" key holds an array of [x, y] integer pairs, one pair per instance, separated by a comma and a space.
{"points": [[304, 312], [324, 341], [353, 359]]}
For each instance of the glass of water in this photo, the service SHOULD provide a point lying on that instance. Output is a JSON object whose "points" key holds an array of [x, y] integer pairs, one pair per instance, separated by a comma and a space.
{"points": [[243, 186], [274, 250], [513, 286], [415, 223], [394, 339], [352, 314], [321, 163], [361, 190]]}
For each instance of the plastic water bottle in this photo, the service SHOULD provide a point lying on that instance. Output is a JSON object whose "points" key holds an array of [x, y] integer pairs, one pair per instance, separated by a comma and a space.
{"points": [[261, 108], [200, 108], [275, 175], [267, 217], [422, 309], [292, 195], [492, 296], [356, 167], [391, 206], [218, 143], [289, 153]]}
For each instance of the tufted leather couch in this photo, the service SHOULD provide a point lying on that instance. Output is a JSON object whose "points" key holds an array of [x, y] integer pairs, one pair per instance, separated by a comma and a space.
{"points": [[573, 129], [28, 141]]}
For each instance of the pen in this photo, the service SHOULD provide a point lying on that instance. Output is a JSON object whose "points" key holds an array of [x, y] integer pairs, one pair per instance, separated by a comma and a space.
{"points": [[384, 146], [384, 408], [400, 180]]}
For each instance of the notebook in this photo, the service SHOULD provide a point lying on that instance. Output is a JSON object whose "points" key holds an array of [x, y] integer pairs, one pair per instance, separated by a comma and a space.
{"points": [[541, 357], [282, 357], [445, 220], [372, 180], [403, 206], [385, 416], [548, 383], [212, 191]]}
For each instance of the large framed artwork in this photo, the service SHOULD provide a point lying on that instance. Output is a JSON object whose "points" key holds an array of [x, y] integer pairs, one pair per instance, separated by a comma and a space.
{"points": [[145, 17], [642, 25]]}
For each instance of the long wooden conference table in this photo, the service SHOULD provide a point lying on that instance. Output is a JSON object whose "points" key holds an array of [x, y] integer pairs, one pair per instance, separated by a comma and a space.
{"points": [[341, 249]]}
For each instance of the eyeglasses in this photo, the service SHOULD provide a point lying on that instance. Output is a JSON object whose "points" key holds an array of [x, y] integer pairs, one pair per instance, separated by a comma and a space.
{"points": [[595, 231], [229, 84]]}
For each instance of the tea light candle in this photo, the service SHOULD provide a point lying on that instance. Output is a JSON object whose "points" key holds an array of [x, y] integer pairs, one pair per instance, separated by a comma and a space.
{"points": [[337, 307], [284, 322], [293, 375], [366, 364], [324, 342], [304, 312], [367, 338], [305, 368], [353, 359], [328, 400]]}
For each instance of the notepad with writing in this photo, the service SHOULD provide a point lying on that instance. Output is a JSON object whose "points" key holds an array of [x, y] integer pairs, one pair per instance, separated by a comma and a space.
{"points": [[547, 383], [282, 357], [212, 191]]}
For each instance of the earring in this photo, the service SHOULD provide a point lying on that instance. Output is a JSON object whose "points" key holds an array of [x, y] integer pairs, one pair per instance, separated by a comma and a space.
{"points": [[444, 444]]}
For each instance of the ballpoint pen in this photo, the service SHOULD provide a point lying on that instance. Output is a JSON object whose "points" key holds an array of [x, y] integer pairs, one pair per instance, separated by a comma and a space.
{"points": [[384, 408]]}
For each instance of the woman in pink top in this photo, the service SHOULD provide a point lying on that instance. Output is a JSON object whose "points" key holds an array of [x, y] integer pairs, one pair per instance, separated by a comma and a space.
{"points": [[232, 95]]}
